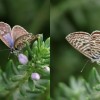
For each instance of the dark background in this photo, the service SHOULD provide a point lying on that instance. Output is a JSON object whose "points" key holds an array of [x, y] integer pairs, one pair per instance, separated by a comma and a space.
{"points": [[68, 16], [33, 15]]}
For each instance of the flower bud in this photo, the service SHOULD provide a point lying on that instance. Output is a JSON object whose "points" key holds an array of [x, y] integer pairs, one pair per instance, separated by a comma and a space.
{"points": [[23, 59], [35, 76], [47, 69]]}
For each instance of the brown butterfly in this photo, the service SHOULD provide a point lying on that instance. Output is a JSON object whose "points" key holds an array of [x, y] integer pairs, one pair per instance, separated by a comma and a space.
{"points": [[16, 38], [87, 44]]}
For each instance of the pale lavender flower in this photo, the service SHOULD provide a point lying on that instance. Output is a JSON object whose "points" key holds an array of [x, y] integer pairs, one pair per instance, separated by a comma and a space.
{"points": [[23, 59], [35, 76]]}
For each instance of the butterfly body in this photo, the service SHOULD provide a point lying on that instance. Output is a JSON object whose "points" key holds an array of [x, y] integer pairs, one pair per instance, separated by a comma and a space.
{"points": [[15, 39], [87, 44]]}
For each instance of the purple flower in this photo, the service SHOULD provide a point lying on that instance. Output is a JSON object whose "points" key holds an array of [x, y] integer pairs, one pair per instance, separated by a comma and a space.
{"points": [[23, 59], [35, 76]]}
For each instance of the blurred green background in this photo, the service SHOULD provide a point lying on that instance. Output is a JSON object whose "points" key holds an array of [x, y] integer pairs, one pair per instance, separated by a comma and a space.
{"points": [[33, 15], [68, 16]]}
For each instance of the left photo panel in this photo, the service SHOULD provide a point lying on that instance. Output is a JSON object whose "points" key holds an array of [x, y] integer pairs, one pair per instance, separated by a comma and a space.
{"points": [[24, 50]]}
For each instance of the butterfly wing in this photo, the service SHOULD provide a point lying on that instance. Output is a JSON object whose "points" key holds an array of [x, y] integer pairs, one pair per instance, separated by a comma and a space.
{"points": [[5, 34], [20, 36], [95, 44], [20, 42], [18, 31], [81, 42]]}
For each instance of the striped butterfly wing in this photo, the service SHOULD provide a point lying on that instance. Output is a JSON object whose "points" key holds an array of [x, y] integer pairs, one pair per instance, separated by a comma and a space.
{"points": [[5, 34], [95, 45], [20, 42], [81, 42], [18, 33], [20, 36]]}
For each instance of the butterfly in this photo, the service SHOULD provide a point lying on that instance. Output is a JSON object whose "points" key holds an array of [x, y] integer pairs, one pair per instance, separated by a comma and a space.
{"points": [[87, 44], [16, 38]]}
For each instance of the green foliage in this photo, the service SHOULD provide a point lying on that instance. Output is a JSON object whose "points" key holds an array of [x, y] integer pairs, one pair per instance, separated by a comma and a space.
{"points": [[79, 89], [16, 82]]}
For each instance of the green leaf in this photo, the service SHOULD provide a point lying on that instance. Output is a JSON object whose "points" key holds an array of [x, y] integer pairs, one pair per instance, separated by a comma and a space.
{"points": [[22, 90], [31, 84], [88, 88], [26, 53], [97, 87], [9, 70], [94, 77], [17, 77], [97, 75], [5, 80], [40, 40], [47, 42], [11, 86], [29, 49]]}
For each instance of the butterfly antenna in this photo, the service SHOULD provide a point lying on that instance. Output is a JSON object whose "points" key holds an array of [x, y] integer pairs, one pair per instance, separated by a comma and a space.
{"points": [[4, 49], [9, 55], [84, 66]]}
